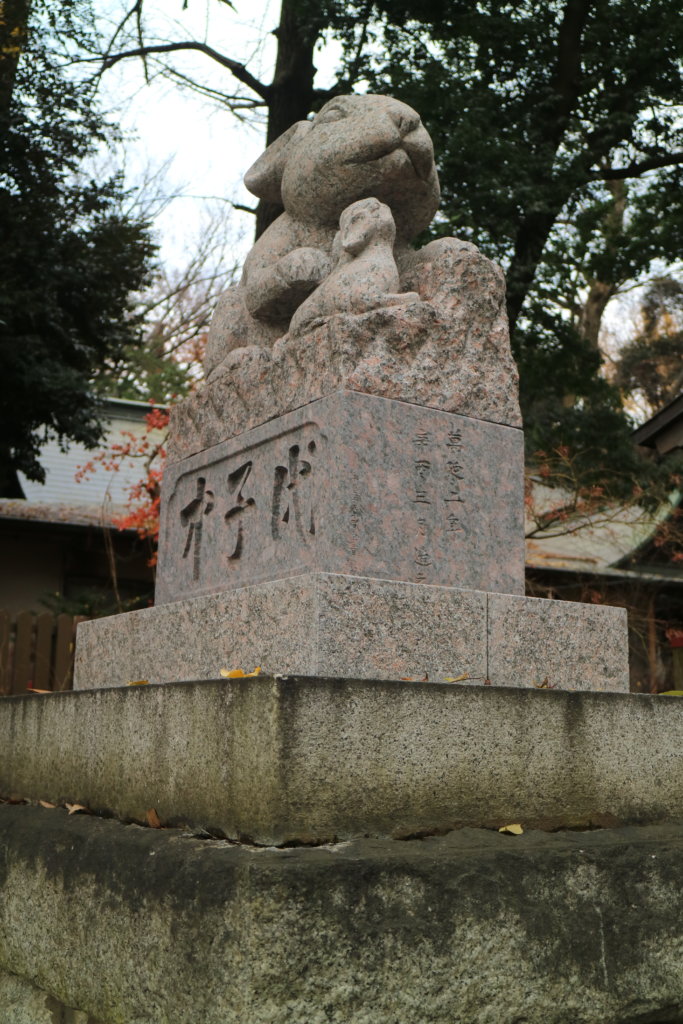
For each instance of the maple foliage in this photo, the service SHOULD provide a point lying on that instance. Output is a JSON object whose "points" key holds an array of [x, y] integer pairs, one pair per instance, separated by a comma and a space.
{"points": [[142, 513]]}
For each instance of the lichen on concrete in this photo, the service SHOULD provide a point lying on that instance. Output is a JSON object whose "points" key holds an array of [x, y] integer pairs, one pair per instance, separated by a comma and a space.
{"points": [[141, 926]]}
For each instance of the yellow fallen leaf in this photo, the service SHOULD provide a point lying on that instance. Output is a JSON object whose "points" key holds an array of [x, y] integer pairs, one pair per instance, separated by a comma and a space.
{"points": [[75, 808], [46, 803], [152, 818], [138, 682], [457, 679], [671, 693], [238, 673], [512, 830]]}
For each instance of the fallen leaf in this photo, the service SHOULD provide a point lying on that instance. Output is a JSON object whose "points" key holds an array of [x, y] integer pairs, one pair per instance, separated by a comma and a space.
{"points": [[512, 830], [671, 693], [238, 673], [31, 689], [46, 803], [138, 682], [457, 679], [75, 808], [545, 685], [152, 818]]}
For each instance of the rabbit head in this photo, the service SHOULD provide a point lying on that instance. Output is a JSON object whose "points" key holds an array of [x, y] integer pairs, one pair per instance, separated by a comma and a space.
{"points": [[364, 221], [355, 147]]}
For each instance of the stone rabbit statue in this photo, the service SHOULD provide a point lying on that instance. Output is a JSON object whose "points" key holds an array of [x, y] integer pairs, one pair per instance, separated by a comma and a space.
{"points": [[356, 147]]}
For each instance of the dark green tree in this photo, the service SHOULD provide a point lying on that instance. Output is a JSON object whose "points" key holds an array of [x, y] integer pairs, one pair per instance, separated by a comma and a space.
{"points": [[557, 127], [650, 366], [71, 257]]}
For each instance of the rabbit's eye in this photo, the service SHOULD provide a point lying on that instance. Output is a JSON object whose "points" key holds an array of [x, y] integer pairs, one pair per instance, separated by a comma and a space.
{"points": [[330, 115]]}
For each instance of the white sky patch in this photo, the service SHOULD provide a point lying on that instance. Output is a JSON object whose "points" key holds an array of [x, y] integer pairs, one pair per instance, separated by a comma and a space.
{"points": [[197, 151]]}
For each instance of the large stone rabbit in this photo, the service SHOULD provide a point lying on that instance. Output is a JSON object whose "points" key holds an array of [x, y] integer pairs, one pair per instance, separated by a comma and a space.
{"points": [[355, 148]]}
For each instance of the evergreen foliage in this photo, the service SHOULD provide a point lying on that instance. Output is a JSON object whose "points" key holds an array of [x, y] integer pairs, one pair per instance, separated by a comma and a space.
{"points": [[651, 365], [557, 129], [71, 256]]}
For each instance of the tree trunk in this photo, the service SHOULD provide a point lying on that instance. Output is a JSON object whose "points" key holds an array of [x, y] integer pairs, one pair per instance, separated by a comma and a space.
{"points": [[291, 92], [600, 292], [535, 226], [529, 245], [14, 16], [590, 318]]}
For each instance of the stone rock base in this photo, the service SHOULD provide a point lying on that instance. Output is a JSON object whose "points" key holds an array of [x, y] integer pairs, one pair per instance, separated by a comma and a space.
{"points": [[333, 625], [455, 359], [142, 926], [22, 1002]]}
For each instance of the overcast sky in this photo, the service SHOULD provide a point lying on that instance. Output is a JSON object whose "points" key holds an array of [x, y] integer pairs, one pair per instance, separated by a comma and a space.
{"points": [[199, 151]]}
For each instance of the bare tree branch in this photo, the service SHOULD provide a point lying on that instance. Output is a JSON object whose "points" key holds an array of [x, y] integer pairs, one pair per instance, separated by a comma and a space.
{"points": [[347, 81], [238, 70], [635, 169], [121, 25], [236, 104]]}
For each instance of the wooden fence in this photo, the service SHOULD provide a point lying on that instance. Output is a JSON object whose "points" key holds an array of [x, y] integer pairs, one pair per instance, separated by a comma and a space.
{"points": [[36, 651]]}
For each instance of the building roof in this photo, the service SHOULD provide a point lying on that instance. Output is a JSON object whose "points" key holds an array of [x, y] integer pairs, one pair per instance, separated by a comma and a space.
{"points": [[605, 543], [91, 501], [55, 513], [664, 430]]}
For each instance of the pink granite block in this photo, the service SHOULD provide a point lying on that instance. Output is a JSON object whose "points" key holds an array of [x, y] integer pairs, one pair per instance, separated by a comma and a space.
{"points": [[313, 624], [349, 484], [561, 645]]}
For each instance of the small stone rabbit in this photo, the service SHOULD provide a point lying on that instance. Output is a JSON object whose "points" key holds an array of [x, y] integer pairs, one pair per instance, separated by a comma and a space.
{"points": [[365, 277]]}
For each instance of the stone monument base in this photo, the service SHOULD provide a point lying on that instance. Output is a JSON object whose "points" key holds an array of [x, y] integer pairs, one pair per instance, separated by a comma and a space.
{"points": [[350, 484], [455, 359], [331, 625]]}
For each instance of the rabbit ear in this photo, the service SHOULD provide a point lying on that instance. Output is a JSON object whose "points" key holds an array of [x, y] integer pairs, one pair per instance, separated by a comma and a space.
{"points": [[264, 178]]}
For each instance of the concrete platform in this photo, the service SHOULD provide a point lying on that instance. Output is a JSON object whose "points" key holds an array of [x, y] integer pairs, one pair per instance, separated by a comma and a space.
{"points": [[324, 624], [305, 760], [140, 926]]}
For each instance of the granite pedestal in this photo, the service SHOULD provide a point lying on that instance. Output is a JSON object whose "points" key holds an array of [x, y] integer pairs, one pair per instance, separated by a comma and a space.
{"points": [[350, 484], [356, 536], [336, 625]]}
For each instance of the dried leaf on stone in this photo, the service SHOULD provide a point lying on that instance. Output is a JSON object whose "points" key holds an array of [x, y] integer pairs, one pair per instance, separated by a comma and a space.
{"points": [[545, 685], [512, 830], [32, 689], [138, 682], [239, 673], [457, 679], [671, 693], [75, 808], [152, 818], [46, 803]]}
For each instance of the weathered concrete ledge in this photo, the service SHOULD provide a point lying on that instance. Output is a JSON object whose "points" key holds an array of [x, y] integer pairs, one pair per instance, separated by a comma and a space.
{"points": [[286, 760], [331, 624], [138, 926]]}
